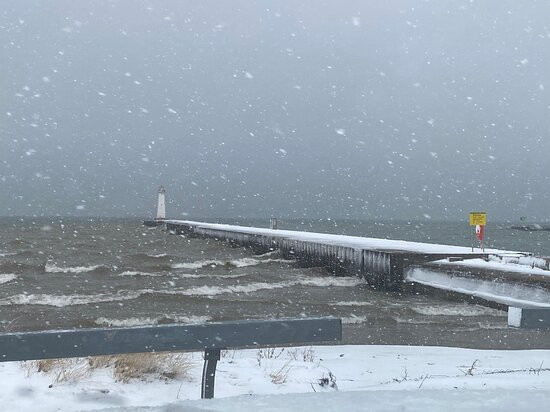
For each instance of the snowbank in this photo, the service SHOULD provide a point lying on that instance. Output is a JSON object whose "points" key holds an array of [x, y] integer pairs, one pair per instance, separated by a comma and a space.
{"points": [[326, 377]]}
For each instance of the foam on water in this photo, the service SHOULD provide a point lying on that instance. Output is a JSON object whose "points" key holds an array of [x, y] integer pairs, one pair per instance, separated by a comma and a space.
{"points": [[52, 268], [348, 281], [180, 275], [70, 300], [456, 310], [7, 277], [138, 273], [80, 299], [150, 321], [197, 264], [267, 254], [351, 320], [353, 303], [5, 254], [239, 263], [214, 275], [220, 290], [257, 286]]}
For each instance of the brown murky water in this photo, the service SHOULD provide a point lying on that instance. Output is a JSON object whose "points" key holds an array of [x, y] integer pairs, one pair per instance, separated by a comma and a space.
{"points": [[77, 273]]}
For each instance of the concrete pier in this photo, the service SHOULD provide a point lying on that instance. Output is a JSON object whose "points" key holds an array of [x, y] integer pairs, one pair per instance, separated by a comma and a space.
{"points": [[381, 262]]}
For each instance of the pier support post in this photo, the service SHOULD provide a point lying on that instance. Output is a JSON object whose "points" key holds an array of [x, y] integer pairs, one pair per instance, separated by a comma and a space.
{"points": [[273, 223], [395, 277], [529, 318]]}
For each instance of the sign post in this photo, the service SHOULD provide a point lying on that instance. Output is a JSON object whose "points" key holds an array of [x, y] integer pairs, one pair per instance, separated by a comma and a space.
{"points": [[479, 220]]}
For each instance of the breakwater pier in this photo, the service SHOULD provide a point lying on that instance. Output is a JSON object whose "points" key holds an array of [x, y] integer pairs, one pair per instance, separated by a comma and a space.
{"points": [[382, 263], [483, 276]]}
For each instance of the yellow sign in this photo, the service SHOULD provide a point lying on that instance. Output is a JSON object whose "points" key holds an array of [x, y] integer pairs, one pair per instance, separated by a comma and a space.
{"points": [[478, 218]]}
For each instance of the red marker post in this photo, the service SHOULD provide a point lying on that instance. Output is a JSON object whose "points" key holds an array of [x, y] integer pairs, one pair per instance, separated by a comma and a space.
{"points": [[479, 235]]}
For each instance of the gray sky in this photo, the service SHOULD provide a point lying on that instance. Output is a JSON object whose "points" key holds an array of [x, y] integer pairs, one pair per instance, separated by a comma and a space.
{"points": [[359, 109]]}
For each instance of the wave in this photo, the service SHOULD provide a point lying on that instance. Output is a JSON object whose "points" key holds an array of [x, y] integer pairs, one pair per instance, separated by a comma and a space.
{"points": [[220, 290], [258, 286], [197, 264], [331, 281], [208, 291], [215, 275], [158, 255], [238, 263], [399, 319], [138, 273], [5, 254], [151, 321], [146, 256], [7, 277], [51, 268], [183, 275], [267, 254], [351, 320], [69, 300], [352, 303], [11, 267], [456, 310]]}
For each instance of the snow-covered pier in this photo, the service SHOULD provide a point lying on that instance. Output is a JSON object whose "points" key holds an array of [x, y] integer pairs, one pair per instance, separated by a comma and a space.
{"points": [[503, 278], [381, 262]]}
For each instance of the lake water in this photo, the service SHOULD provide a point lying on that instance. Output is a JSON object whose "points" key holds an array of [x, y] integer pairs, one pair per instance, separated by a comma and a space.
{"points": [[65, 273]]}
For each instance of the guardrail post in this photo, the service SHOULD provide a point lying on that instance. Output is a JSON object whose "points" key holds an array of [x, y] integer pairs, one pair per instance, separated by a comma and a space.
{"points": [[211, 358]]}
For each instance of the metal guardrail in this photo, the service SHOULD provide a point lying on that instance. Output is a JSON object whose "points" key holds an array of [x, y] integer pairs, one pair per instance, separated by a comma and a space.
{"points": [[210, 337]]}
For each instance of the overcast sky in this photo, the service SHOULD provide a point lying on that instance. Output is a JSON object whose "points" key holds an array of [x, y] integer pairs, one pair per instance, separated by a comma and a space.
{"points": [[359, 109]]}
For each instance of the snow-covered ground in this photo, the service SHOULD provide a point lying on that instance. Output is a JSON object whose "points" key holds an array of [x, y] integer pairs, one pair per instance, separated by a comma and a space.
{"points": [[319, 378]]}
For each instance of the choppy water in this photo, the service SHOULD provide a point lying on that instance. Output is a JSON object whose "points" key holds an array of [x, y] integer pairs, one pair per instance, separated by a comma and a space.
{"points": [[78, 273]]}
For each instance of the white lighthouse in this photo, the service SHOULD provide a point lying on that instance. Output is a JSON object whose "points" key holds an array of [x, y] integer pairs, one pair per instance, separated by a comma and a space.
{"points": [[161, 205]]}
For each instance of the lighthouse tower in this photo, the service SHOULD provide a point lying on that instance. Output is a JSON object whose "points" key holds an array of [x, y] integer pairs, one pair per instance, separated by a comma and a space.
{"points": [[161, 205]]}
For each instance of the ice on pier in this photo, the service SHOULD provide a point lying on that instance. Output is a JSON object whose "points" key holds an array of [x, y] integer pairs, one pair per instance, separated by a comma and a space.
{"points": [[347, 241], [511, 294]]}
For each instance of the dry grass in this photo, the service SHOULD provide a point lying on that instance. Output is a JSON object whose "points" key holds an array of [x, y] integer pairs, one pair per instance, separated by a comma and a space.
{"points": [[280, 376], [62, 370], [136, 366], [303, 354], [268, 353], [165, 366]]}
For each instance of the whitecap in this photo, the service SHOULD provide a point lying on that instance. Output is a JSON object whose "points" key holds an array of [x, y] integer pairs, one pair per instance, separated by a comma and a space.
{"points": [[149, 321], [51, 268], [159, 255], [137, 273], [244, 262], [352, 303], [197, 265], [239, 263], [215, 275], [270, 253], [4, 254], [330, 281], [70, 300], [456, 310], [219, 290], [350, 320], [7, 277]]}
